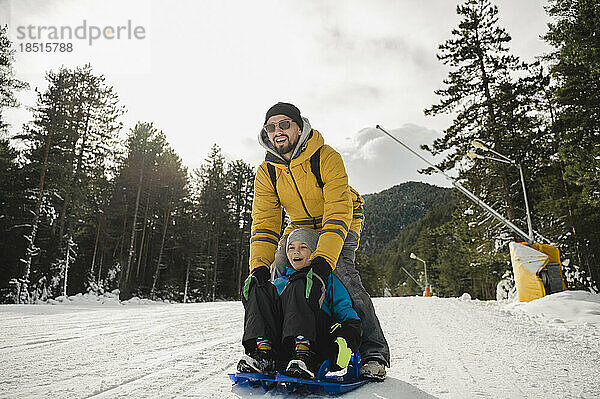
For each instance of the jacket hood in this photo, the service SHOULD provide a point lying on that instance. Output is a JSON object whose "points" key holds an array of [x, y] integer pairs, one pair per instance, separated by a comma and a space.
{"points": [[307, 132]]}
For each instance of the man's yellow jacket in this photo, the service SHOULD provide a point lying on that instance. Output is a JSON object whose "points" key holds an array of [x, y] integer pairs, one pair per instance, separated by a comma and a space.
{"points": [[333, 209]]}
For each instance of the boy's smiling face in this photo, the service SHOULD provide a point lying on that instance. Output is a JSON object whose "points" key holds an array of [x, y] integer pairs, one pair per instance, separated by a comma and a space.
{"points": [[298, 254]]}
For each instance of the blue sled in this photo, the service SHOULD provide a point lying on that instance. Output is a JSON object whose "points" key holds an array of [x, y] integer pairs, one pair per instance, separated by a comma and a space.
{"points": [[322, 382]]}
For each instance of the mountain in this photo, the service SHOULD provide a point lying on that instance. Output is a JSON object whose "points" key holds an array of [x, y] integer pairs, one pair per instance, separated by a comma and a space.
{"points": [[388, 212], [396, 254]]}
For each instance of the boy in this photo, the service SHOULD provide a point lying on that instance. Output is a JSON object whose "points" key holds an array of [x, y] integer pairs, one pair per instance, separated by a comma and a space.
{"points": [[279, 323]]}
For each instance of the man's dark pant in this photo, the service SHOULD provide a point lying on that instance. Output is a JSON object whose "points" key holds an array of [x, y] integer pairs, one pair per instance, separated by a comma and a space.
{"points": [[282, 318], [374, 344]]}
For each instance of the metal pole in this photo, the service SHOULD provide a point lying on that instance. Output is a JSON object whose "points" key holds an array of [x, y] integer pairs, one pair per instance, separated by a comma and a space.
{"points": [[410, 275], [466, 192], [529, 225], [67, 266], [500, 155], [427, 286]]}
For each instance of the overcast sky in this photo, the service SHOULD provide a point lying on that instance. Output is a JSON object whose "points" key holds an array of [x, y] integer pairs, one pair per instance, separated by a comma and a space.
{"points": [[207, 71]]}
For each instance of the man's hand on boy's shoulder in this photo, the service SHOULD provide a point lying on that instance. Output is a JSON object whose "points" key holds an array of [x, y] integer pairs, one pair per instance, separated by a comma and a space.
{"points": [[315, 288], [316, 275]]}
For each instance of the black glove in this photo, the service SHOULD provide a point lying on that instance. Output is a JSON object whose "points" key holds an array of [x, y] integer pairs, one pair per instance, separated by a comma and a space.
{"points": [[259, 277], [316, 282], [345, 339]]}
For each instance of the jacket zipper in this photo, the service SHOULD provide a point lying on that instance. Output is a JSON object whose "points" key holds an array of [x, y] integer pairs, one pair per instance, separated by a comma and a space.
{"points": [[301, 199]]}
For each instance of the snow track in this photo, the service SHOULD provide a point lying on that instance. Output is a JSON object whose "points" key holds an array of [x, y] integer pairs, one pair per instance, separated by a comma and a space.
{"points": [[441, 348], [457, 349]]}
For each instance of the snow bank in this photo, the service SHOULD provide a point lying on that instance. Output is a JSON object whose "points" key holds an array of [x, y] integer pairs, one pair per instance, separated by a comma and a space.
{"points": [[108, 298], [465, 297], [141, 301], [570, 307]]}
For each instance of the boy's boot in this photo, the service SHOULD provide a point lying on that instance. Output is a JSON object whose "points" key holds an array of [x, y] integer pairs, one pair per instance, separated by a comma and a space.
{"points": [[259, 360], [303, 364]]}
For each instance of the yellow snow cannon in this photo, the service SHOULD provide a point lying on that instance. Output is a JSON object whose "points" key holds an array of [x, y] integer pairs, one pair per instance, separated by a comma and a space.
{"points": [[537, 270]]}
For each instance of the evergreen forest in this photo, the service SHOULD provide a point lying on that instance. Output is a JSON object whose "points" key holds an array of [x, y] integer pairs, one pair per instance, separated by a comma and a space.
{"points": [[87, 205]]}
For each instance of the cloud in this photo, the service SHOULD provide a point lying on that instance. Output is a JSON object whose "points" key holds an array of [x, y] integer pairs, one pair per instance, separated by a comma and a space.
{"points": [[353, 95], [346, 65], [375, 162], [364, 136]]}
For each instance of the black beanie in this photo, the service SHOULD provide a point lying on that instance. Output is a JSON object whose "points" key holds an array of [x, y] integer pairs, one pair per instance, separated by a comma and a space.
{"points": [[286, 109]]}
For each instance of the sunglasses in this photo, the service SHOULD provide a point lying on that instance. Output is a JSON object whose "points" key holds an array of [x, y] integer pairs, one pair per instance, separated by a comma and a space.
{"points": [[283, 125]]}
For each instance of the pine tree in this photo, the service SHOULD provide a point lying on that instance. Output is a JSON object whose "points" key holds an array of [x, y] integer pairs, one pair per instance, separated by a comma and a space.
{"points": [[11, 201], [172, 182], [575, 130], [493, 107], [11, 180], [214, 210], [71, 143], [576, 66], [8, 82], [47, 158], [190, 233], [481, 91], [144, 146], [240, 187], [186, 234]]}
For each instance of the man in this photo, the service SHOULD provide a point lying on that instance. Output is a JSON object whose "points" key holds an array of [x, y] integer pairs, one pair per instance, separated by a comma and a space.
{"points": [[307, 179]]}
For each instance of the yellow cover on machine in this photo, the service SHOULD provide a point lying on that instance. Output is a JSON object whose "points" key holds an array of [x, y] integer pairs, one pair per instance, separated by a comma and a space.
{"points": [[529, 262]]}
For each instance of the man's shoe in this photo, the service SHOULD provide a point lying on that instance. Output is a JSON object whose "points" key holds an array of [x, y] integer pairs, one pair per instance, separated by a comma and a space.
{"points": [[258, 361], [373, 370], [303, 365]]}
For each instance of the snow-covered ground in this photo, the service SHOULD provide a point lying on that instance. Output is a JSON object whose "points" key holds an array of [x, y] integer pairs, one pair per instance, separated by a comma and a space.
{"points": [[441, 348]]}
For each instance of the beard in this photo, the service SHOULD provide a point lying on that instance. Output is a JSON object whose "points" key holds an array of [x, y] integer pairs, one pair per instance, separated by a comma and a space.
{"points": [[287, 147]]}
